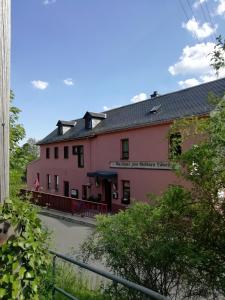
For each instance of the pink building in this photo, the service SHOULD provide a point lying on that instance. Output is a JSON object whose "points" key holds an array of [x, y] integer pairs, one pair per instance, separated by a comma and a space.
{"points": [[119, 155]]}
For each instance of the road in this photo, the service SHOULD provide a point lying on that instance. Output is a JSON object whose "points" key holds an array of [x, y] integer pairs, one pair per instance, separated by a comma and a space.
{"points": [[66, 237]]}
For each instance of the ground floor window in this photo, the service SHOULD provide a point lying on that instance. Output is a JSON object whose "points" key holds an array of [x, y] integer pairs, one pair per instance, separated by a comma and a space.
{"points": [[56, 179], [75, 193], [66, 189], [84, 192], [126, 192], [48, 181]]}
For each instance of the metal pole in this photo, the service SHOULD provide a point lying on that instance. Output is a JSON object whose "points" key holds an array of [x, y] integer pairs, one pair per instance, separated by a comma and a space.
{"points": [[53, 276], [5, 37]]}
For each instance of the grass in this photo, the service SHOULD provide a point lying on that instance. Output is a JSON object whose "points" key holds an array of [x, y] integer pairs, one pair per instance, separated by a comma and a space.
{"points": [[76, 282]]}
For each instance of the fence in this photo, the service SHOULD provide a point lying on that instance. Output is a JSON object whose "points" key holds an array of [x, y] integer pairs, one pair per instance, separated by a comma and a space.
{"points": [[66, 204], [149, 294]]}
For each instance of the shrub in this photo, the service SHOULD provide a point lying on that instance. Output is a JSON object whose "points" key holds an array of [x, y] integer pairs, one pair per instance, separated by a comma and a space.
{"points": [[23, 259]]}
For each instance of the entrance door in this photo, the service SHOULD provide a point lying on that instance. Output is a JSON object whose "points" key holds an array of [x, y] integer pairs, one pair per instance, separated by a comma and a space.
{"points": [[66, 189], [108, 194]]}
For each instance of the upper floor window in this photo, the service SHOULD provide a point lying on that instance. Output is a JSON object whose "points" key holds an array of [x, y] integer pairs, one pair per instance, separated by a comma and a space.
{"points": [[56, 182], [79, 151], [88, 123], [47, 153], [126, 192], [80, 156], [66, 152], [56, 152], [175, 148], [48, 181], [124, 149]]}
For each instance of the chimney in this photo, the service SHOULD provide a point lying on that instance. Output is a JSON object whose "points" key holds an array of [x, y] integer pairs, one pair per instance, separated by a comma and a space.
{"points": [[154, 95]]}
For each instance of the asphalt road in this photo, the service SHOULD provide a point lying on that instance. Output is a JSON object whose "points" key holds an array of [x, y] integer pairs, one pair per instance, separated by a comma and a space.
{"points": [[66, 237]]}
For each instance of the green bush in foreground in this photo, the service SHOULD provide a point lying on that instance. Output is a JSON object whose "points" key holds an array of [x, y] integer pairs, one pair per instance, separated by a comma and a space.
{"points": [[24, 259]]}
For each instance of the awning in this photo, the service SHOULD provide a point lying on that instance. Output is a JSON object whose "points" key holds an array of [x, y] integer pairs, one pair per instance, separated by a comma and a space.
{"points": [[102, 174]]}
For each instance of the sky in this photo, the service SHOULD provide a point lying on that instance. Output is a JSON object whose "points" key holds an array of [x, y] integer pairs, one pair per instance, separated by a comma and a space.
{"points": [[73, 56]]}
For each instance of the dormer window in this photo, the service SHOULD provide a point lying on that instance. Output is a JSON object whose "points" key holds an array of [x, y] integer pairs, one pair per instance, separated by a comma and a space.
{"points": [[93, 119], [64, 126], [88, 123]]}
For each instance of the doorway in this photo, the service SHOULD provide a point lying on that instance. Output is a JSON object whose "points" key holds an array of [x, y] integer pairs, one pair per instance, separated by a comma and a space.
{"points": [[66, 189], [108, 194]]}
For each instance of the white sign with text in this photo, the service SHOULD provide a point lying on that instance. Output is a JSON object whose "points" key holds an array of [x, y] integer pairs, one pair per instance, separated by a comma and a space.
{"points": [[155, 165]]}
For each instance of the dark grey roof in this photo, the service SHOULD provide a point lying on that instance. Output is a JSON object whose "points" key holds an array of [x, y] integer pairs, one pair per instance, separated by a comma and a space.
{"points": [[187, 102]]}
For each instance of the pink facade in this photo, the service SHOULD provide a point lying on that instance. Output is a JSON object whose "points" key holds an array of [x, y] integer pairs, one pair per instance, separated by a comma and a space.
{"points": [[146, 144]]}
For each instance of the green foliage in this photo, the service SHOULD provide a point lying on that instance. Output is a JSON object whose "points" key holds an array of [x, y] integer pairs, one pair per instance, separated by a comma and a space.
{"points": [[176, 246], [20, 156], [17, 131], [217, 59], [73, 281], [23, 259]]}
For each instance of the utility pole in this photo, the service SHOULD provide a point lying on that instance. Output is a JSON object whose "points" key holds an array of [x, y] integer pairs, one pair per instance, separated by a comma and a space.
{"points": [[5, 38]]}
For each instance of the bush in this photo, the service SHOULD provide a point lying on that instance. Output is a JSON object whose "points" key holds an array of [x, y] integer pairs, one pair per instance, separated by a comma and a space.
{"points": [[24, 259], [174, 247]]}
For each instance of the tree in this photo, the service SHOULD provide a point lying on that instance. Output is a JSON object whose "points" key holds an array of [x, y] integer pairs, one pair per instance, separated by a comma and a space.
{"points": [[218, 58], [20, 156], [176, 246], [17, 133]]}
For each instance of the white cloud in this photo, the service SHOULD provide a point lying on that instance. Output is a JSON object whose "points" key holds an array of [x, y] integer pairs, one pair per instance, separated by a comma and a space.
{"points": [[105, 107], [40, 85], [188, 83], [194, 59], [68, 81], [220, 10], [198, 3], [197, 30], [138, 98], [47, 2]]}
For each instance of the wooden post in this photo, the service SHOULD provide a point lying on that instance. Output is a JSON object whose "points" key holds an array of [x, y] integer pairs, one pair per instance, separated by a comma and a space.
{"points": [[5, 37]]}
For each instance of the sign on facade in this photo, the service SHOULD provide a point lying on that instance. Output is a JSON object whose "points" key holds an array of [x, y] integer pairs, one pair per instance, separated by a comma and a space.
{"points": [[155, 165]]}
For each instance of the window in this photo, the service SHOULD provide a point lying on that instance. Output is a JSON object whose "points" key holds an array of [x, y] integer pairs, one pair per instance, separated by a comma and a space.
{"points": [[175, 145], [124, 149], [56, 182], [126, 192], [66, 152], [75, 193], [48, 181], [80, 156], [79, 151], [88, 123], [84, 192], [56, 152], [47, 153], [60, 130]]}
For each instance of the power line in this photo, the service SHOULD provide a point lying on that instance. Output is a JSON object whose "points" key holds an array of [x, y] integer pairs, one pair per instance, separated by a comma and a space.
{"points": [[187, 17], [184, 10], [210, 18], [206, 18], [189, 4]]}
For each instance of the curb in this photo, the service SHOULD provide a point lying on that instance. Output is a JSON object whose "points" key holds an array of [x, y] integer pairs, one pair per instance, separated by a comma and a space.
{"points": [[68, 219]]}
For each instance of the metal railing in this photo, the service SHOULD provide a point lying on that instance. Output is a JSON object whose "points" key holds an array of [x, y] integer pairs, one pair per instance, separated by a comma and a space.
{"points": [[66, 204], [149, 294]]}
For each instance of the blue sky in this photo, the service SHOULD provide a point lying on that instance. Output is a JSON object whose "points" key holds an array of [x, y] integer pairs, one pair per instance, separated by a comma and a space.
{"points": [[70, 56]]}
